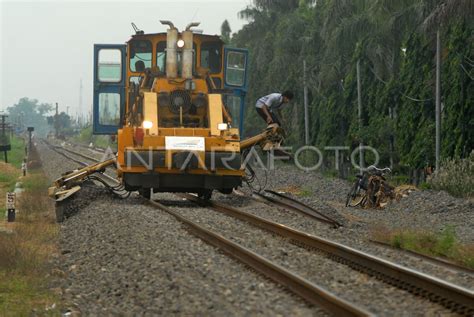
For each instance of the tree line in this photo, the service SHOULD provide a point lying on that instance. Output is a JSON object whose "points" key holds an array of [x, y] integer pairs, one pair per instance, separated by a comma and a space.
{"points": [[394, 43]]}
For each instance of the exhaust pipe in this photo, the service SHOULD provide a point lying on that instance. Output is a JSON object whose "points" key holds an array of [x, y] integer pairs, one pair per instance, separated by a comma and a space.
{"points": [[187, 36], [171, 53]]}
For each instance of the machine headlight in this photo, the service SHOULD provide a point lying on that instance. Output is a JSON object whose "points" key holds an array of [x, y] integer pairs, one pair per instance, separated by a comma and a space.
{"points": [[147, 124], [180, 43], [222, 126]]}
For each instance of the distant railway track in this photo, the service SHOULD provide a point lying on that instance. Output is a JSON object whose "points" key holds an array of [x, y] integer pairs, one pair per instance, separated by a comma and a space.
{"points": [[453, 297], [94, 148], [61, 151]]}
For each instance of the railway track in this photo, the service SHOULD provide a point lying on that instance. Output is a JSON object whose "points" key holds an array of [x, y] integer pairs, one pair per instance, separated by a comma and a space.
{"points": [[453, 297], [95, 148], [311, 292]]}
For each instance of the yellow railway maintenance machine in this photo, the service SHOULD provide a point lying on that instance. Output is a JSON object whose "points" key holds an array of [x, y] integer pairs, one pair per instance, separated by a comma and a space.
{"points": [[173, 100]]}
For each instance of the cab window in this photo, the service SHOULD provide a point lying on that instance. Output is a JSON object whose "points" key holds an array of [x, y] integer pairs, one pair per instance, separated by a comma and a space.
{"points": [[161, 55], [235, 72], [109, 108], [140, 55], [110, 66], [211, 56]]}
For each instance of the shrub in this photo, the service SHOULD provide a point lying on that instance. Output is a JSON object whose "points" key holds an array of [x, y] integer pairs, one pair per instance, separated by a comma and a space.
{"points": [[456, 176]]}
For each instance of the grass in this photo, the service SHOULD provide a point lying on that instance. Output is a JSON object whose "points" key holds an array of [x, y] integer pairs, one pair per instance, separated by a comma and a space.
{"points": [[330, 173], [17, 153], [297, 191], [425, 186], [16, 291], [10, 172], [25, 252], [304, 192], [438, 244], [86, 137], [8, 177], [35, 182], [399, 179]]}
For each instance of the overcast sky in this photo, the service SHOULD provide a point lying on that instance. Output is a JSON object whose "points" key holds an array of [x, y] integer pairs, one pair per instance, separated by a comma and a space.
{"points": [[47, 47]]}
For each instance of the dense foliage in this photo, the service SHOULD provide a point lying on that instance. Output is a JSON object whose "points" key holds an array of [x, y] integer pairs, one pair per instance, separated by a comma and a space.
{"points": [[395, 45]]}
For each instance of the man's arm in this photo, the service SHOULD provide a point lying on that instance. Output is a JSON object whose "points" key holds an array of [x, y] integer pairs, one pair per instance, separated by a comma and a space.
{"points": [[267, 113]]}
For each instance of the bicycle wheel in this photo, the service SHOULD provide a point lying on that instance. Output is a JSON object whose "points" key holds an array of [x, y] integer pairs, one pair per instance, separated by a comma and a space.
{"points": [[352, 193], [358, 200], [353, 197]]}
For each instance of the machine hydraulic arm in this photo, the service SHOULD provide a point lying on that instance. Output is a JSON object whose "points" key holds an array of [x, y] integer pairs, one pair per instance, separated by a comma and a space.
{"points": [[68, 184], [269, 139]]}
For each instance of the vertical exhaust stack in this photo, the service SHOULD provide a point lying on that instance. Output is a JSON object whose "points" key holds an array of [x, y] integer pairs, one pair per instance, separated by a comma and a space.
{"points": [[187, 36], [171, 53]]}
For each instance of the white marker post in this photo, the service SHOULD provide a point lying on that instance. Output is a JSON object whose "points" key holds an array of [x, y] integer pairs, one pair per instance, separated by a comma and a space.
{"points": [[11, 197]]}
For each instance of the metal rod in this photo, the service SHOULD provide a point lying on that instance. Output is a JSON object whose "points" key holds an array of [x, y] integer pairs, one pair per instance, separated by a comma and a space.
{"points": [[306, 115], [359, 108]]}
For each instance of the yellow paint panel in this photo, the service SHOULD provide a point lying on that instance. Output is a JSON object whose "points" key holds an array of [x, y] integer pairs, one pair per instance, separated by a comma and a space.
{"points": [[215, 113], [150, 109]]}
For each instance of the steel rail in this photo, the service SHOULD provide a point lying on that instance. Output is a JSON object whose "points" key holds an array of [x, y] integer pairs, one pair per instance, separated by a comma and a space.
{"points": [[95, 148], [299, 208], [454, 297], [298, 204], [311, 292], [78, 153]]}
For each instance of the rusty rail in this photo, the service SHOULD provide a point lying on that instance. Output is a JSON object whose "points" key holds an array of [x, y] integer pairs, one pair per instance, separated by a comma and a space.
{"points": [[282, 201], [311, 292]]}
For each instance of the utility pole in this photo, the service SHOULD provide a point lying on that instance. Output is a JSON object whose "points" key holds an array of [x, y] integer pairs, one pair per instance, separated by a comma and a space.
{"points": [[56, 121], [391, 116], [4, 145], [438, 100], [80, 103], [30, 130], [306, 115], [359, 107]]}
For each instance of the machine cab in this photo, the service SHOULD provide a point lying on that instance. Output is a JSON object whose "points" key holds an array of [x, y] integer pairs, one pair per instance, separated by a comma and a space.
{"points": [[122, 73]]}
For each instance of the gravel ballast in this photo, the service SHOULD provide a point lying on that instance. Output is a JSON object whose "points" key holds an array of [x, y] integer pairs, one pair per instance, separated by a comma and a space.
{"points": [[124, 257], [417, 211]]}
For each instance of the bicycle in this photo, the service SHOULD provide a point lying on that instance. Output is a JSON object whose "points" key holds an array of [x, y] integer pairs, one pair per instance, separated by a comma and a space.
{"points": [[370, 189]]}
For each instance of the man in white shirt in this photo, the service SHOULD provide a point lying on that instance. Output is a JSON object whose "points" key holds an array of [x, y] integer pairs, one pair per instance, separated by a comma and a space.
{"points": [[266, 106]]}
